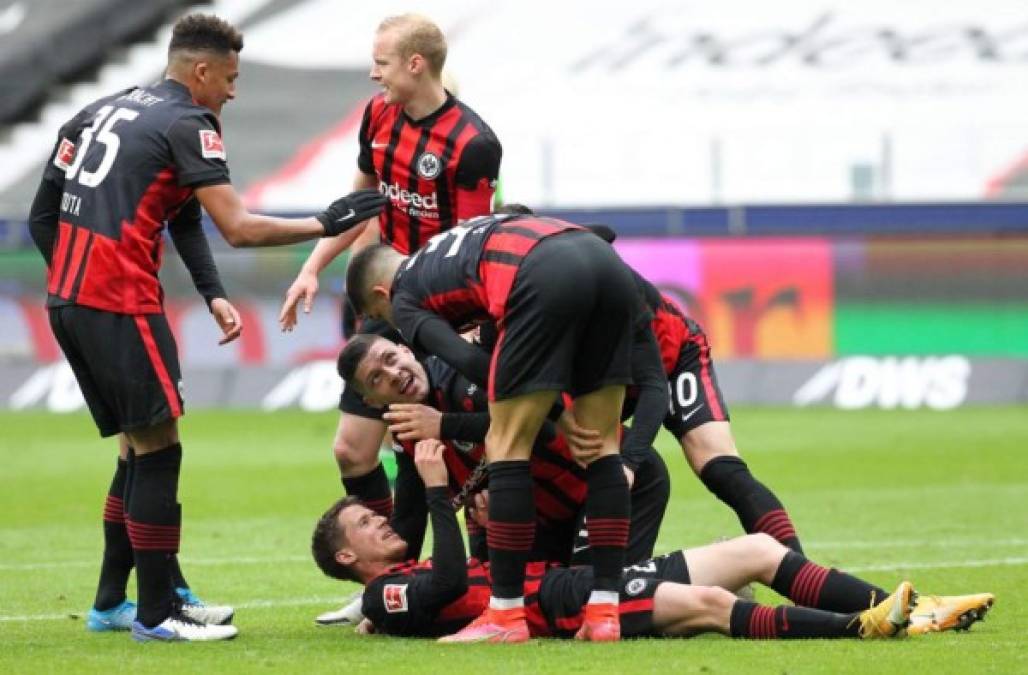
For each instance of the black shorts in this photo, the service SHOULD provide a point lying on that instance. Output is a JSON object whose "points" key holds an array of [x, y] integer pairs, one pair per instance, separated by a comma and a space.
{"points": [[650, 493], [350, 402], [564, 592], [567, 325], [695, 395], [126, 366]]}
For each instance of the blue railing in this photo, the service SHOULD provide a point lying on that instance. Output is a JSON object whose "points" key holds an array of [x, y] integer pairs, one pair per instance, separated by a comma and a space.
{"points": [[978, 218]]}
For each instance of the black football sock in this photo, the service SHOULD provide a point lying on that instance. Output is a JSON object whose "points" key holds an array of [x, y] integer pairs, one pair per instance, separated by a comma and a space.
{"points": [[511, 530], [811, 585], [757, 507], [154, 520], [373, 489], [759, 622], [118, 559], [607, 519], [178, 580]]}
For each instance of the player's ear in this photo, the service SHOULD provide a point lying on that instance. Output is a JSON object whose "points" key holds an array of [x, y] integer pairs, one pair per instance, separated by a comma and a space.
{"points": [[201, 70], [380, 292], [416, 64], [345, 556]]}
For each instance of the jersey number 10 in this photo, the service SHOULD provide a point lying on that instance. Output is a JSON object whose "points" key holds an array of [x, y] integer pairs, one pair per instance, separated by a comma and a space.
{"points": [[107, 137]]}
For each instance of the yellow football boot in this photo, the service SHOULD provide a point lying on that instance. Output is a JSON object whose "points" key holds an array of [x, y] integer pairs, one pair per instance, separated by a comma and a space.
{"points": [[891, 616], [936, 613]]}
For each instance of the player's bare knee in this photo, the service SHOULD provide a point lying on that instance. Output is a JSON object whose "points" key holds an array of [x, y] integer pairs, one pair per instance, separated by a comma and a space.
{"points": [[153, 438], [706, 442], [353, 461], [506, 444], [712, 598]]}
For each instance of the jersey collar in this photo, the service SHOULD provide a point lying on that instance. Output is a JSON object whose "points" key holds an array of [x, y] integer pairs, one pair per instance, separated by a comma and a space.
{"points": [[430, 118], [175, 88]]}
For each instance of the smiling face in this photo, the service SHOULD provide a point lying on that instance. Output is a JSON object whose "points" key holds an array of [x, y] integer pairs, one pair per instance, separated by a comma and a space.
{"points": [[389, 373], [369, 539], [396, 74]]}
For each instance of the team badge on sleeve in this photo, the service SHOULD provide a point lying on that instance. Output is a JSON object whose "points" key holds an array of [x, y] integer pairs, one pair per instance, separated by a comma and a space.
{"points": [[394, 596], [65, 154], [211, 146]]}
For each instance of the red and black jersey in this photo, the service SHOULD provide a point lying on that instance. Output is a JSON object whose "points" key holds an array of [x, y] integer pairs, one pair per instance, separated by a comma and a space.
{"points": [[128, 163], [560, 483], [670, 326], [436, 171], [402, 602], [466, 274]]}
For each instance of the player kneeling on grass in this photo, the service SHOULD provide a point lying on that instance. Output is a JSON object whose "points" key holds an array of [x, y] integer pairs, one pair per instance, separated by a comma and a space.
{"points": [[676, 595]]}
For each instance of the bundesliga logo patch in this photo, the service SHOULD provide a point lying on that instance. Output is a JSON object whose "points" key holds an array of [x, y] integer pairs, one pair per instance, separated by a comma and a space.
{"points": [[395, 598], [211, 146], [65, 154]]}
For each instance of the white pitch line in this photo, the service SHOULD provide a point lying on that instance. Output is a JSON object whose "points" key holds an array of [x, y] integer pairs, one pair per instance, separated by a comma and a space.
{"points": [[885, 567], [298, 602], [941, 542], [815, 545], [202, 562], [253, 604]]}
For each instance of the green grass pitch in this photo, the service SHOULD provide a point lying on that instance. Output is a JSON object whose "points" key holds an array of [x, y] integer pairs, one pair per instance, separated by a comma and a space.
{"points": [[940, 498]]}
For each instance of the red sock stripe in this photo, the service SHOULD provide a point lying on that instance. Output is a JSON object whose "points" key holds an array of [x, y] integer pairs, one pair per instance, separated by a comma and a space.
{"points": [[147, 537], [762, 623], [510, 536], [607, 531], [383, 507], [114, 510], [806, 586], [777, 524]]}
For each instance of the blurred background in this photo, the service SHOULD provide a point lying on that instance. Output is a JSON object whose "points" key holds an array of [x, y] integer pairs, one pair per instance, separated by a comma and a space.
{"points": [[837, 191]]}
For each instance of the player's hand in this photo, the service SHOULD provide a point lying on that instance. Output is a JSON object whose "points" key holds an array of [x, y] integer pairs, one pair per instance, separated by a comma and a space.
{"points": [[479, 508], [365, 627], [584, 443], [413, 421], [305, 287], [347, 212], [228, 319], [428, 458]]}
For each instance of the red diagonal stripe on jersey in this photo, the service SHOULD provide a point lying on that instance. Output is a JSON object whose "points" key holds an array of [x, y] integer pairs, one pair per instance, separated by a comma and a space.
{"points": [[78, 250], [65, 233]]}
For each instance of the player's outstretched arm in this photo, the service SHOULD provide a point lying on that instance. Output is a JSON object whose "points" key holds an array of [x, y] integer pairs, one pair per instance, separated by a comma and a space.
{"points": [[244, 229], [305, 287]]}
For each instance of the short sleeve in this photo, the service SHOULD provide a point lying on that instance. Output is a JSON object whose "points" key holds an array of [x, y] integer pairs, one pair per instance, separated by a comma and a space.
{"points": [[198, 152], [479, 161], [365, 160], [63, 154]]}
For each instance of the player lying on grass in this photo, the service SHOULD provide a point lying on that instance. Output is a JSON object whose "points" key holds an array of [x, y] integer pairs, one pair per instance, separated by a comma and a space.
{"points": [[676, 595], [429, 399], [569, 309]]}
